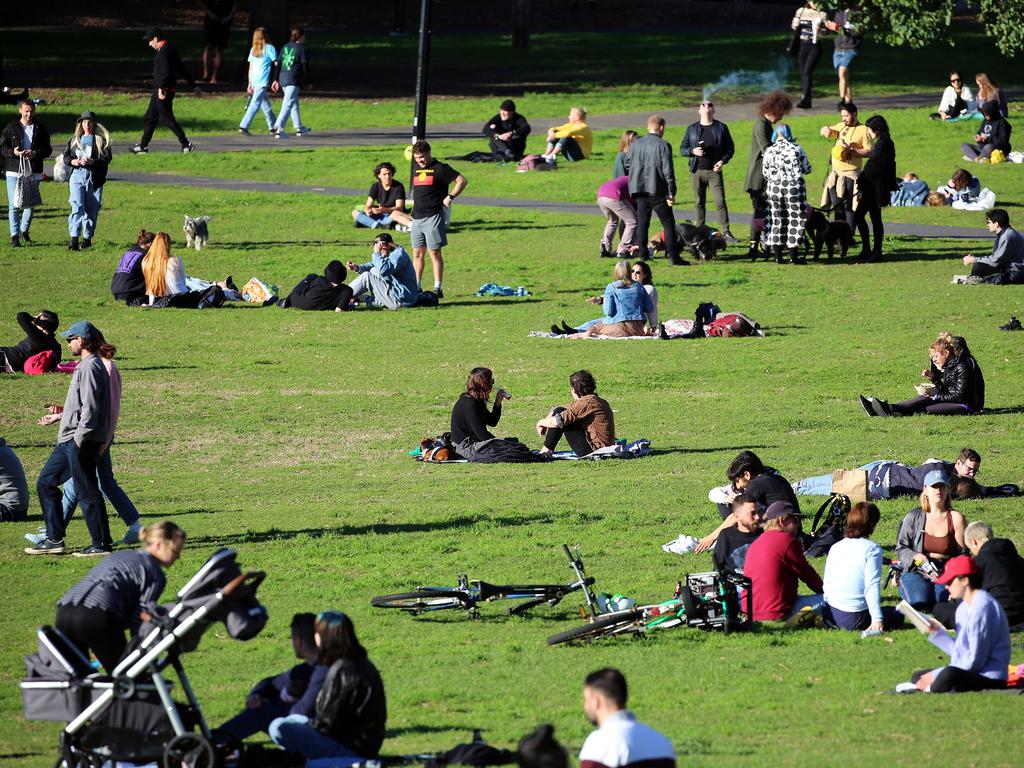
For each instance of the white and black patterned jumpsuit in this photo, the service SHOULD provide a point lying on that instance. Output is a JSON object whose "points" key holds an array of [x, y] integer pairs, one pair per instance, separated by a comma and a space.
{"points": [[785, 165]]}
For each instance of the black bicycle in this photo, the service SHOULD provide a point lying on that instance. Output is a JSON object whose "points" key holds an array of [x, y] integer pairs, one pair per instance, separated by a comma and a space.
{"points": [[467, 595]]}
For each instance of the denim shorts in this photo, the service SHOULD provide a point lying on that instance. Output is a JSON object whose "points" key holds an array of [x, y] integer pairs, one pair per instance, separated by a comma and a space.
{"points": [[843, 58], [429, 232]]}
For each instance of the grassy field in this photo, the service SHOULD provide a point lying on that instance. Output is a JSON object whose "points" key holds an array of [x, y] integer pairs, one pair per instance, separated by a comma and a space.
{"points": [[284, 435]]}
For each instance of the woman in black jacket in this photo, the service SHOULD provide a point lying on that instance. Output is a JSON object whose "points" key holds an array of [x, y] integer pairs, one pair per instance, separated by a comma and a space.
{"points": [[875, 184], [39, 337], [994, 134], [470, 417], [351, 711], [87, 156]]}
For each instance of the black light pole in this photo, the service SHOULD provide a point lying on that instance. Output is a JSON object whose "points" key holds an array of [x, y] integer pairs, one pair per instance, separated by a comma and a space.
{"points": [[419, 121]]}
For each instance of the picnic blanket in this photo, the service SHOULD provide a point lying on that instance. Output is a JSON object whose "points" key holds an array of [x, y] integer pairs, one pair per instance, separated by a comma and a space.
{"points": [[622, 449], [493, 289]]}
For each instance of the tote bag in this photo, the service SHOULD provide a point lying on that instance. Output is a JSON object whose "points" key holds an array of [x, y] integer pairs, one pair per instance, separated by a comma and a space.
{"points": [[26, 189]]}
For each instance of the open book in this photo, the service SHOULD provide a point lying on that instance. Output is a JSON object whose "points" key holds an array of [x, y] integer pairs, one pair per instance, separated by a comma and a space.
{"points": [[920, 620]]}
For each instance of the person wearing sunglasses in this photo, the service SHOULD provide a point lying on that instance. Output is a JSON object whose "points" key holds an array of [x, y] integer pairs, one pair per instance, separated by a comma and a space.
{"points": [[709, 146], [956, 99]]}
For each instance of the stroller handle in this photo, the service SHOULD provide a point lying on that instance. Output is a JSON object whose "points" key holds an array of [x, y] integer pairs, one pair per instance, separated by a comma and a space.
{"points": [[250, 579]]}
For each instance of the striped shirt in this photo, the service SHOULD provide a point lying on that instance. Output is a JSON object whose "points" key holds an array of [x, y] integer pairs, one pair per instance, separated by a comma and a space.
{"points": [[122, 584]]}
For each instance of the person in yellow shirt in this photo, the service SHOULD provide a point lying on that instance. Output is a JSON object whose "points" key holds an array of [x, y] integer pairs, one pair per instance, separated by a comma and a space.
{"points": [[840, 191], [573, 141]]}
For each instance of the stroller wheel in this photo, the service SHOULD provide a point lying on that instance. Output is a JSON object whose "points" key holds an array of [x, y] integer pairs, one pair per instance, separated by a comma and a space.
{"points": [[190, 750]]}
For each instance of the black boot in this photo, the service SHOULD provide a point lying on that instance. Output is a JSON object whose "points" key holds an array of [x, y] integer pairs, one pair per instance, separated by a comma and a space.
{"points": [[795, 257], [15, 242], [73, 244], [556, 330], [568, 329], [86, 243], [753, 252], [777, 253]]}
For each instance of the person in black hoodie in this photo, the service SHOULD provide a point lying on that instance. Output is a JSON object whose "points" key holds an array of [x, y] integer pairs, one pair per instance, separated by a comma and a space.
{"points": [[875, 184], [321, 293], [1002, 574], [507, 132], [39, 337], [957, 383], [129, 284], [351, 709], [994, 134], [29, 139], [167, 68]]}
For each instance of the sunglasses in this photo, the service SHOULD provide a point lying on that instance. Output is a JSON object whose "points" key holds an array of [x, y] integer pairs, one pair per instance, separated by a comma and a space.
{"points": [[956, 80], [708, 104]]}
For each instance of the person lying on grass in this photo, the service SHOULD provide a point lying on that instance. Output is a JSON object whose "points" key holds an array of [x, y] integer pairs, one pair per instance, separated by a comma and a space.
{"points": [[321, 293]]}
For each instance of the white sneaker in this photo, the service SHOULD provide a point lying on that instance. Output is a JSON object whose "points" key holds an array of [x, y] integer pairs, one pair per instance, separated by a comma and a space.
{"points": [[681, 546]]}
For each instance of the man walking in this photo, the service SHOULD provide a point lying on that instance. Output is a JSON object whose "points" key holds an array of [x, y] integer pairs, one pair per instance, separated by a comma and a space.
{"points": [[652, 183], [167, 68], [389, 277], [26, 139], [709, 146], [431, 209], [84, 429]]}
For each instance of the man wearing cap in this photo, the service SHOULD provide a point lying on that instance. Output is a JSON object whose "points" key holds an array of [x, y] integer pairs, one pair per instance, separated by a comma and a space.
{"points": [[23, 138], [321, 293], [84, 427], [507, 132], [776, 563], [167, 68], [388, 277], [980, 654]]}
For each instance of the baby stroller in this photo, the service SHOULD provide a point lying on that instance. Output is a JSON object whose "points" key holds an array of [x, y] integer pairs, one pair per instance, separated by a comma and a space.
{"points": [[130, 715]]}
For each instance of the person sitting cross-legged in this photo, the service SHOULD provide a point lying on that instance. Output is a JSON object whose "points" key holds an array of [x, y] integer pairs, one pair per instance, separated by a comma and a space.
{"points": [[389, 277], [1007, 257], [587, 422]]}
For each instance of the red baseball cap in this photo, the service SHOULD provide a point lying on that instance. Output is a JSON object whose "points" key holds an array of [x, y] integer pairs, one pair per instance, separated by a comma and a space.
{"points": [[957, 566]]}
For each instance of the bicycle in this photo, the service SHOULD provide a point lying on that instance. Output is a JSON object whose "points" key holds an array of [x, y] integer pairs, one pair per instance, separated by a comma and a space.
{"points": [[467, 595], [706, 601]]}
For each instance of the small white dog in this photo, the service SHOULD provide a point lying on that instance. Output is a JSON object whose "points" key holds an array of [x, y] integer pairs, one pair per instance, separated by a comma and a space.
{"points": [[196, 232]]}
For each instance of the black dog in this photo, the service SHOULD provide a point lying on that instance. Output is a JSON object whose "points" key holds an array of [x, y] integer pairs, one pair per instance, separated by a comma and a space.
{"points": [[703, 241], [826, 234]]}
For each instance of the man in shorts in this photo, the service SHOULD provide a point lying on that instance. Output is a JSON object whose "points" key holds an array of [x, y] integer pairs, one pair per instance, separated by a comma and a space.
{"points": [[431, 204]]}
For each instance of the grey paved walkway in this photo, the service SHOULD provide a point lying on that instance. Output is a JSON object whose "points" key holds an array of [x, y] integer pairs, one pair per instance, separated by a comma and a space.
{"points": [[205, 182]]}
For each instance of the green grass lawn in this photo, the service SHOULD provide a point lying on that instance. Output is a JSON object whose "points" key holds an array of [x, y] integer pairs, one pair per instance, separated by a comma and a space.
{"points": [[284, 434]]}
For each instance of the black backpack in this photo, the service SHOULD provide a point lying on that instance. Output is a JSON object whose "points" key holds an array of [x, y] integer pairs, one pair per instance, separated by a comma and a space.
{"points": [[829, 526], [211, 298]]}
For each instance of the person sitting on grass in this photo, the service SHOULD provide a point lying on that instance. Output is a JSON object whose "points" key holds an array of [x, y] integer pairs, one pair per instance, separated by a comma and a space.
{"points": [[1002, 574], [293, 692], [956, 100], [775, 565], [470, 417], [1007, 257], [385, 202], [350, 715], [506, 132], [747, 474], [13, 486], [734, 542], [572, 140], [128, 283], [316, 293], [640, 272], [993, 134], [164, 274], [853, 574], [961, 187], [957, 387], [40, 336], [930, 535], [389, 277], [980, 654], [587, 422], [626, 307]]}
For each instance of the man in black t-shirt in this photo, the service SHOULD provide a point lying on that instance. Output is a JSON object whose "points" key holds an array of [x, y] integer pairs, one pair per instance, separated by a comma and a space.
{"points": [[385, 202], [321, 293], [431, 209], [731, 547], [708, 145]]}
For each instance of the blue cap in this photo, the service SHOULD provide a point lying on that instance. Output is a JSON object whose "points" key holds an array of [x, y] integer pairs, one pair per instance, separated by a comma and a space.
{"points": [[83, 329], [936, 477]]}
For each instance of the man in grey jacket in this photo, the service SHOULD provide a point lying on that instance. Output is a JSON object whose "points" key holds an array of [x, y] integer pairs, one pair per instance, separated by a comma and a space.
{"points": [[82, 435], [389, 277], [1008, 253], [652, 183]]}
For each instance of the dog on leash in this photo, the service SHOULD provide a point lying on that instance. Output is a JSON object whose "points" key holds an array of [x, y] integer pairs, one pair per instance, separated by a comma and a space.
{"points": [[197, 234], [825, 234], [703, 241]]}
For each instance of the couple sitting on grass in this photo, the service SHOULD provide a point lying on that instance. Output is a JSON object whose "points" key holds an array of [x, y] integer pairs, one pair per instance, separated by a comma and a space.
{"points": [[630, 305], [586, 422]]}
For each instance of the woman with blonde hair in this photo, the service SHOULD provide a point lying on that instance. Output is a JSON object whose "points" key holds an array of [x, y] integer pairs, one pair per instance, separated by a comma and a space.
{"points": [[626, 306], [261, 61], [87, 154], [163, 272], [988, 90], [95, 613]]}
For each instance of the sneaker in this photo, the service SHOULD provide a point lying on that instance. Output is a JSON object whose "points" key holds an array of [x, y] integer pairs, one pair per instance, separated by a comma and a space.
{"points": [[805, 617], [35, 538], [46, 547], [302, 131], [190, 147], [968, 159], [402, 227], [280, 134], [729, 236], [866, 404], [439, 292], [138, 149], [131, 536], [92, 551], [25, 238], [244, 131], [1013, 325], [881, 407]]}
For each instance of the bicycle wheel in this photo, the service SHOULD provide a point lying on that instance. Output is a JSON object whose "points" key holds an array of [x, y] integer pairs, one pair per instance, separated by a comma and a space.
{"points": [[421, 600], [602, 627]]}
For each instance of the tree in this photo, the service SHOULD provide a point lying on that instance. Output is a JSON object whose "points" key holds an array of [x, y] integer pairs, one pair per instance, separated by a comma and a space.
{"points": [[916, 23]]}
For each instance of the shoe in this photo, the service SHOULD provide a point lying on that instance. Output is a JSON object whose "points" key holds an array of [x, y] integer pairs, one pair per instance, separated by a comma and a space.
{"points": [[865, 403], [46, 547], [556, 330], [230, 283], [753, 252], [881, 407], [604, 253], [568, 329], [402, 227], [190, 147], [73, 244], [93, 551], [805, 617], [138, 149], [35, 538], [131, 536], [803, 104], [968, 159], [662, 333], [439, 292], [25, 238], [1013, 325], [86, 243], [15, 242], [729, 236], [279, 134], [302, 131], [244, 131]]}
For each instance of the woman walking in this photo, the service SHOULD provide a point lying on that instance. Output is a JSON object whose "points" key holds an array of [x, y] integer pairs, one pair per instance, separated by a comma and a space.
{"points": [[87, 154], [261, 61], [810, 23]]}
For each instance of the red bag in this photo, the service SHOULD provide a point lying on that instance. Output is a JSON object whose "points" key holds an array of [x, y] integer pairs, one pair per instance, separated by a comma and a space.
{"points": [[44, 362], [732, 324]]}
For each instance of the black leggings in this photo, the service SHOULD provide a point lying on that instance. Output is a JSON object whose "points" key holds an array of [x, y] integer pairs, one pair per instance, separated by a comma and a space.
{"points": [[575, 435], [924, 404], [956, 680], [808, 57], [871, 206], [96, 630]]}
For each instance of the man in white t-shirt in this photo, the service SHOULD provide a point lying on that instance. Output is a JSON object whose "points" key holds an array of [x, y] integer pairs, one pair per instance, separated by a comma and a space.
{"points": [[620, 740]]}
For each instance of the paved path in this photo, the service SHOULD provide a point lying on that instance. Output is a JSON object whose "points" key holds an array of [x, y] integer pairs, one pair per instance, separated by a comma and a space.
{"points": [[234, 185]]}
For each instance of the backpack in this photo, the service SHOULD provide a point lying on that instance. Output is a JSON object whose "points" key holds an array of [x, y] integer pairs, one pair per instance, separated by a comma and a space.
{"points": [[44, 362], [437, 448], [211, 298], [733, 324], [426, 299], [535, 163], [829, 525]]}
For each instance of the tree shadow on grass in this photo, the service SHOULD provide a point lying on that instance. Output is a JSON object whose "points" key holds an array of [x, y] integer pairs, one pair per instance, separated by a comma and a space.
{"points": [[249, 245], [195, 511], [718, 449], [262, 537], [52, 444]]}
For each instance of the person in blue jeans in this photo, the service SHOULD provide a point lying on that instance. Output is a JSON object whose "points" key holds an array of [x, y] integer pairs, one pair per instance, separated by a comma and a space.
{"points": [[23, 139], [929, 536], [351, 714], [87, 155], [293, 75], [261, 61]]}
